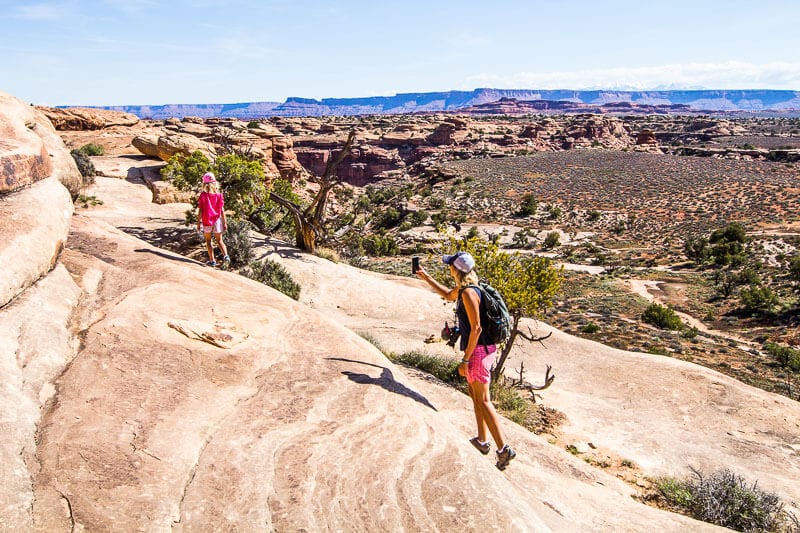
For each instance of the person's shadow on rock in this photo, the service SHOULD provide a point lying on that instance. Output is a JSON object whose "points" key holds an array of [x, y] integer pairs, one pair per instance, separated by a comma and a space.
{"points": [[385, 380]]}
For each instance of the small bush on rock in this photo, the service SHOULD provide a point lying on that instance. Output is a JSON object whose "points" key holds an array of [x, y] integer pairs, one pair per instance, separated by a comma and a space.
{"points": [[662, 317], [726, 499], [85, 165], [92, 149], [237, 239], [274, 275]]}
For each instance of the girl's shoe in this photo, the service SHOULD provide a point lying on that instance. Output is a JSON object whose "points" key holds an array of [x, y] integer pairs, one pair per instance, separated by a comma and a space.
{"points": [[226, 259], [211, 263]]}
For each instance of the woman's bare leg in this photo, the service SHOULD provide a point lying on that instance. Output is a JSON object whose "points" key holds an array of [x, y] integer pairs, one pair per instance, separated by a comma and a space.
{"points": [[488, 413], [483, 430]]}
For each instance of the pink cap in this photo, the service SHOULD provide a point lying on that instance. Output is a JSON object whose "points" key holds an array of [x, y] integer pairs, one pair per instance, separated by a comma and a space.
{"points": [[208, 177]]}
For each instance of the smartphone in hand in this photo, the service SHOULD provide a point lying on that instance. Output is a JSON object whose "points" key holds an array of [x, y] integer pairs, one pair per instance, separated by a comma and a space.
{"points": [[414, 265]]}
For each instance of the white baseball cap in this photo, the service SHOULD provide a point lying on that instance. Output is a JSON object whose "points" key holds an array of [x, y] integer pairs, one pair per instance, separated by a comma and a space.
{"points": [[463, 261]]}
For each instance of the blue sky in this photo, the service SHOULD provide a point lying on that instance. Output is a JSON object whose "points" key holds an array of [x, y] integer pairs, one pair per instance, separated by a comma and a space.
{"points": [[111, 52]]}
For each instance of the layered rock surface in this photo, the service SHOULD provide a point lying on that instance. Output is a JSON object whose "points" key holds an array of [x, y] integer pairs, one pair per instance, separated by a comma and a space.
{"points": [[34, 204], [83, 118]]}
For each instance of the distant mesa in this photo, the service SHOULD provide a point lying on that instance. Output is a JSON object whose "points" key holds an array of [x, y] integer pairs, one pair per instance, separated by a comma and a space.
{"points": [[492, 101]]}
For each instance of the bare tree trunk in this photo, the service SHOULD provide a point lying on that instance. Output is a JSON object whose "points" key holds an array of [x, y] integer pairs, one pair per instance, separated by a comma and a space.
{"points": [[501, 362], [310, 222]]}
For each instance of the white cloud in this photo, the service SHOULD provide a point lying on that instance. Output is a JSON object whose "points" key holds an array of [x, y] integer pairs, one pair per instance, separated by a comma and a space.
{"points": [[131, 7], [40, 12], [241, 48], [727, 75]]}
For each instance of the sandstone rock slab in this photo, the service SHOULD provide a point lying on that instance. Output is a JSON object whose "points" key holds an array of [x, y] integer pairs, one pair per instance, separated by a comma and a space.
{"points": [[83, 118], [34, 223], [23, 155]]}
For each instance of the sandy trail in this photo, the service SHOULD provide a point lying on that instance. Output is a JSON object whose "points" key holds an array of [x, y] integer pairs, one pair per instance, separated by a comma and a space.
{"points": [[652, 292]]}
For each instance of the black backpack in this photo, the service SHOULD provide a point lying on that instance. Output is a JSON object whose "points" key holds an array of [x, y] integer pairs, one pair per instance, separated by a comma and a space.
{"points": [[495, 319]]}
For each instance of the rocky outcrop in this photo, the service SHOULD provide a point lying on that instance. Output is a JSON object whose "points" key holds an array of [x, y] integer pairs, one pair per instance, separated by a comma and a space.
{"points": [[451, 131], [285, 159], [646, 137], [359, 168], [82, 118], [609, 132], [30, 245], [166, 146], [264, 142], [184, 144], [146, 144], [31, 150], [34, 205], [24, 159]]}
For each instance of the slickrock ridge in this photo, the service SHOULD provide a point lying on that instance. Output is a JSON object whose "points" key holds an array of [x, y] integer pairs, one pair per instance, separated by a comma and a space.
{"points": [[36, 208], [84, 118], [303, 425]]}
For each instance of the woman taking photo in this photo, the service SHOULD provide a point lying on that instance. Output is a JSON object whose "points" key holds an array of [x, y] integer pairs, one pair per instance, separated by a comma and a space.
{"points": [[476, 364]]}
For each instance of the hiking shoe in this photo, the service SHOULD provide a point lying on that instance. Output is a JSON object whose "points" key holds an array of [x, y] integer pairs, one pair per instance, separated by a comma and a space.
{"points": [[504, 456], [211, 263], [482, 447], [226, 259]]}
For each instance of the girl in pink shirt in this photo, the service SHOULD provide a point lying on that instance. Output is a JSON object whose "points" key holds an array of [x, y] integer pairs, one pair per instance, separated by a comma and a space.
{"points": [[211, 217]]}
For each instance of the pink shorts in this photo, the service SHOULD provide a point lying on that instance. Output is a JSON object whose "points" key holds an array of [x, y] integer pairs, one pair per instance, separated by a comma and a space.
{"points": [[480, 364]]}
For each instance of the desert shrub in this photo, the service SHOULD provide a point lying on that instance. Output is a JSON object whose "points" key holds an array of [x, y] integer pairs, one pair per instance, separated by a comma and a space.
{"points": [[274, 275], [417, 218], [92, 149], [757, 298], [85, 165], [252, 124], [506, 397], [593, 215], [662, 317], [438, 219], [552, 240], [237, 240], [554, 212], [728, 245], [86, 201], [785, 356], [728, 500], [733, 232], [380, 245], [520, 239], [386, 218], [373, 340], [329, 254], [528, 206], [748, 276], [696, 250], [725, 281], [436, 202], [690, 333], [590, 328], [794, 268], [444, 369]]}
